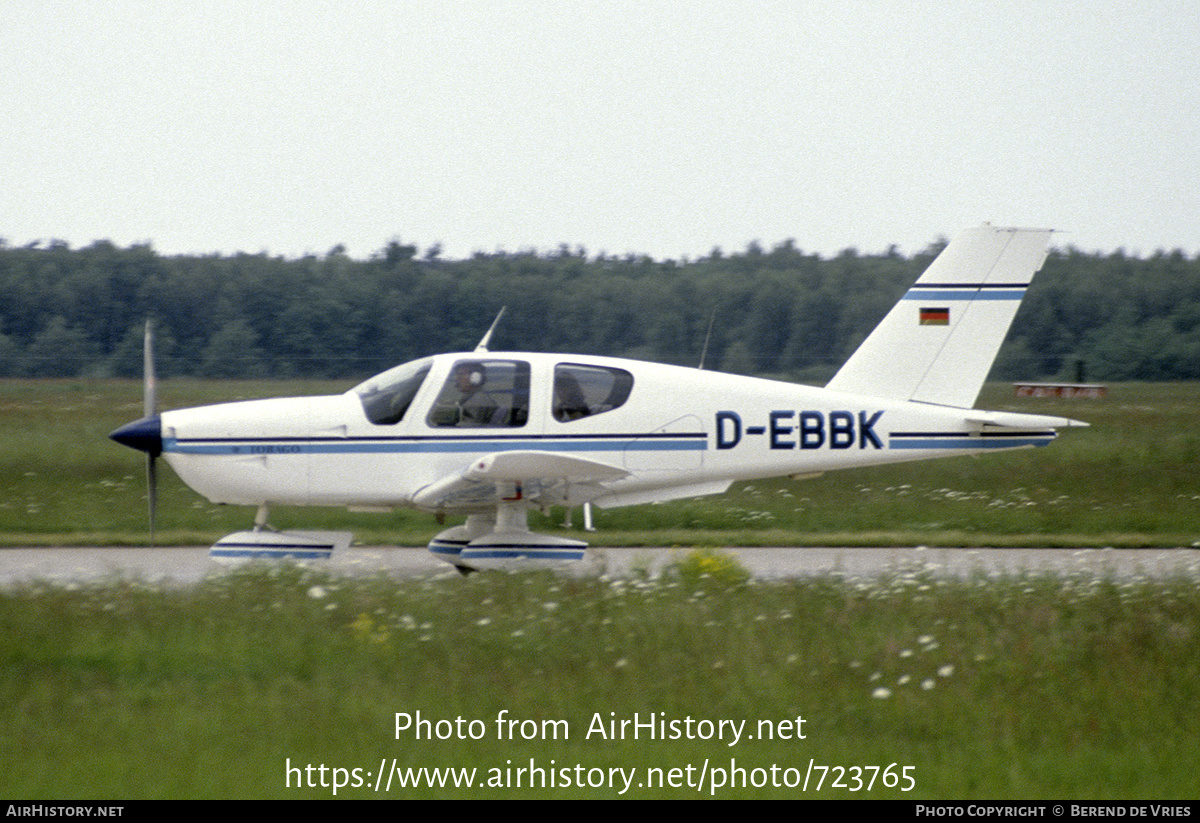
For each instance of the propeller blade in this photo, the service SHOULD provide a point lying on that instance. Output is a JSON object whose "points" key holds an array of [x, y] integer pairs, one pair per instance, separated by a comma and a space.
{"points": [[146, 434], [152, 490], [149, 378], [150, 409]]}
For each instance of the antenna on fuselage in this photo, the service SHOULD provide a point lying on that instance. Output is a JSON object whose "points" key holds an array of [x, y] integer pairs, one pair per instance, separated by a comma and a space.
{"points": [[483, 344], [707, 337]]}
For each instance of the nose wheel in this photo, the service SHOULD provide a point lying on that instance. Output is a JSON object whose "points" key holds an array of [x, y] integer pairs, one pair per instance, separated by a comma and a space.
{"points": [[264, 542]]}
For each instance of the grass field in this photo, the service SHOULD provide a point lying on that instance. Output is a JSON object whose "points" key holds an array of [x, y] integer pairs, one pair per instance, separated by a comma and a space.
{"points": [[282, 681], [1129, 480], [1022, 687]]}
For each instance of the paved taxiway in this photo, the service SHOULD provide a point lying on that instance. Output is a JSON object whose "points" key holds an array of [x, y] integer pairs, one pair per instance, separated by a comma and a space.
{"points": [[186, 565]]}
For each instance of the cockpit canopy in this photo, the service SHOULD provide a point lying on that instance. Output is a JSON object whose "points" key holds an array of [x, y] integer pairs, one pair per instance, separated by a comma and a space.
{"points": [[493, 392]]}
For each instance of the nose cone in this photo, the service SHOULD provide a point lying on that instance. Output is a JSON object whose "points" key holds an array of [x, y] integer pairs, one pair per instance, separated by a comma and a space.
{"points": [[144, 435]]}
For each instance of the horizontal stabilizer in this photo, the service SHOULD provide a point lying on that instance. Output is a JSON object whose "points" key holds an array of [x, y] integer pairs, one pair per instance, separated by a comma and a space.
{"points": [[938, 343], [1013, 420]]}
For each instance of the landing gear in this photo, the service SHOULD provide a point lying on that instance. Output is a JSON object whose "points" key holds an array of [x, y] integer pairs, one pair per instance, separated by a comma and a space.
{"points": [[502, 541], [265, 542]]}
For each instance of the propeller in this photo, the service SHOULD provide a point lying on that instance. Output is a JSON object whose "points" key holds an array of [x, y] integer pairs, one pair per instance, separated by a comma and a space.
{"points": [[150, 410], [146, 434]]}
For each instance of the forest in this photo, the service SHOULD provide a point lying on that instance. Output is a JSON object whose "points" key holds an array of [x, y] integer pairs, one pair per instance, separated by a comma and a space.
{"points": [[783, 312]]}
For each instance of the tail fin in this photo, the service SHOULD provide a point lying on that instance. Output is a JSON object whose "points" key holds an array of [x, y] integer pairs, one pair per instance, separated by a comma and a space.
{"points": [[939, 342]]}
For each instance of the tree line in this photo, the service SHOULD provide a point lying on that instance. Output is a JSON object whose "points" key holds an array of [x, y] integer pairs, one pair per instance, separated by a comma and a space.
{"points": [[80, 311]]}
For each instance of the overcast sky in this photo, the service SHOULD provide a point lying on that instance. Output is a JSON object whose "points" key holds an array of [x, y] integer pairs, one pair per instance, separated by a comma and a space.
{"points": [[663, 128]]}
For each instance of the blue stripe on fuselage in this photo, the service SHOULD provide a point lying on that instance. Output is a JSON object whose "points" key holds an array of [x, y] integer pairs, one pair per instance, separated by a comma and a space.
{"points": [[254, 447], [956, 440]]}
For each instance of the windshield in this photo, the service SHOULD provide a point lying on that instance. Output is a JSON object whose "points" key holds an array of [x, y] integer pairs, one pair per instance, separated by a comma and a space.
{"points": [[386, 397]]}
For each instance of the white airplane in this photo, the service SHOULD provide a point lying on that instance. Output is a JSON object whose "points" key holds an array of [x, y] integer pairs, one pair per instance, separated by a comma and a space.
{"points": [[490, 435]]}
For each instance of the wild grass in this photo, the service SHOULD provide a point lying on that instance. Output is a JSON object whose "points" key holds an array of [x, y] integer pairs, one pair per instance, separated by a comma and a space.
{"points": [[1021, 686], [1128, 480]]}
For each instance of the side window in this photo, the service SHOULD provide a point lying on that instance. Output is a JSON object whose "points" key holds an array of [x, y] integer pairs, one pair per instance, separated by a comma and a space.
{"points": [[483, 394], [386, 398], [582, 391]]}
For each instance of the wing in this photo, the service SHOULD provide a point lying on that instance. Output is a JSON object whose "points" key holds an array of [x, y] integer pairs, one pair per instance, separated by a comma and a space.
{"points": [[540, 478]]}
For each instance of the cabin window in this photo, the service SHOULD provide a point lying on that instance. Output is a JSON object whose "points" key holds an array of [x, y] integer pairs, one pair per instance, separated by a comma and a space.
{"points": [[386, 397], [483, 394], [583, 391]]}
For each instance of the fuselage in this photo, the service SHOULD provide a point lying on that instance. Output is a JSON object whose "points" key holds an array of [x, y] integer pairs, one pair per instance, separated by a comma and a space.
{"points": [[673, 431]]}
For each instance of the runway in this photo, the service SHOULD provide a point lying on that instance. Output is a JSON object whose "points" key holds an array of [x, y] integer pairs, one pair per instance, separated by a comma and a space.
{"points": [[188, 565]]}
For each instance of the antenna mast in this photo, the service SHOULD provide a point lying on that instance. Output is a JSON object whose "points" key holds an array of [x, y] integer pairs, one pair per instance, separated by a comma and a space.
{"points": [[707, 337], [483, 344]]}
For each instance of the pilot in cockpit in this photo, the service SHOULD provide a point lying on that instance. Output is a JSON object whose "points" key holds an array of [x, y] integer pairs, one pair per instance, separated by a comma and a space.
{"points": [[476, 406]]}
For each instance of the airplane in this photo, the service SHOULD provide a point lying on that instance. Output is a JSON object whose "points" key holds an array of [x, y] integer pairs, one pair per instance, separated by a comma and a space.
{"points": [[492, 435]]}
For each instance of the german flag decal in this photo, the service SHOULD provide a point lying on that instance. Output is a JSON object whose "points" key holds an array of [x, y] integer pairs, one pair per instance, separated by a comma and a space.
{"points": [[935, 316]]}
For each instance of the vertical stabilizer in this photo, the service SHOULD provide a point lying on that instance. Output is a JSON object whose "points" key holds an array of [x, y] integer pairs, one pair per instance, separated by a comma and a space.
{"points": [[938, 343]]}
